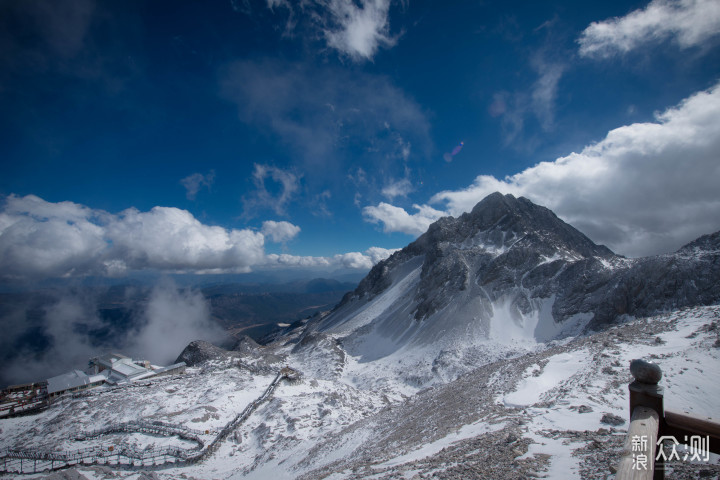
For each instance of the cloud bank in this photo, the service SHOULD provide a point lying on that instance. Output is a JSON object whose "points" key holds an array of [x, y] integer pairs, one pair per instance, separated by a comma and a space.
{"points": [[646, 188], [40, 239], [689, 23], [354, 260]]}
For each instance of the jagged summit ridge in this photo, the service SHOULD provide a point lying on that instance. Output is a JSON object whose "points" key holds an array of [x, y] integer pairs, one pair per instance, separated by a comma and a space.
{"points": [[499, 222], [512, 270], [496, 225]]}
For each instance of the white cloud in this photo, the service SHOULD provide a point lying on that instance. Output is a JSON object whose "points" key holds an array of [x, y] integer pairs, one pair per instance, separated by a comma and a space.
{"points": [[66, 348], [396, 219], [363, 261], [358, 30], [262, 198], [193, 183], [42, 239], [279, 232], [39, 238], [169, 320], [400, 188], [646, 188], [356, 260], [689, 22], [538, 102], [377, 254], [168, 238], [287, 260]]}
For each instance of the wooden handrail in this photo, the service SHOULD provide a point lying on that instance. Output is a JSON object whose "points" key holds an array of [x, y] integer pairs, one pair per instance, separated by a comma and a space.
{"points": [[649, 421], [682, 426], [638, 455]]}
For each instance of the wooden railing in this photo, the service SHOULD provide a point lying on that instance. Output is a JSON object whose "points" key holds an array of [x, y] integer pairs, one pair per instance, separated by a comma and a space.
{"points": [[650, 422]]}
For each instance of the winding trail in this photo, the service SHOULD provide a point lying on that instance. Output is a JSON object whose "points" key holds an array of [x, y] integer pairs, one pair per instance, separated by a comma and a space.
{"points": [[33, 461]]}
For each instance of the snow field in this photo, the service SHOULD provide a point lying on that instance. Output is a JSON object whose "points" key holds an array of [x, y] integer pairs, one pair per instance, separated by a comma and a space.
{"points": [[550, 395]]}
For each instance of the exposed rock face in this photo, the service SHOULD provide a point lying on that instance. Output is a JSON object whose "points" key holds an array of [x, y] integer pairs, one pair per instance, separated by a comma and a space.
{"points": [[200, 351], [512, 254], [246, 345]]}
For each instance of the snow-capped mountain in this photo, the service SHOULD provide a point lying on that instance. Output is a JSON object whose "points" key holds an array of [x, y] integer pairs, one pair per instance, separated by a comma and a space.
{"points": [[494, 346], [509, 271]]}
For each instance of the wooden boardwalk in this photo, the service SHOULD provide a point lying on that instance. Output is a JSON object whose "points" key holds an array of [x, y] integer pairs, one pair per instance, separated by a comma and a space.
{"points": [[33, 461]]}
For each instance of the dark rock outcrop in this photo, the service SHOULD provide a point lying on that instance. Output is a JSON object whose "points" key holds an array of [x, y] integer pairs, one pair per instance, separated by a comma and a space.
{"points": [[199, 352]]}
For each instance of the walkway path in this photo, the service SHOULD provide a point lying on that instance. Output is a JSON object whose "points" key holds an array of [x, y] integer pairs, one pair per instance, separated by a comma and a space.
{"points": [[33, 461]]}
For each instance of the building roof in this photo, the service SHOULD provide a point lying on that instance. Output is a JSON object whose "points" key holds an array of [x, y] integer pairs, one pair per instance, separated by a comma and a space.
{"points": [[127, 368], [73, 379]]}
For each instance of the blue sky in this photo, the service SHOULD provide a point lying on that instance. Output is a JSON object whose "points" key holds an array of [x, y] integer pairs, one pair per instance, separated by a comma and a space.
{"points": [[231, 136]]}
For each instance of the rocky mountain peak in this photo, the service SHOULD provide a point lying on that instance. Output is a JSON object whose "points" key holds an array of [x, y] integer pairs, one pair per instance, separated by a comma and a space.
{"points": [[510, 267], [498, 222], [500, 225], [706, 243]]}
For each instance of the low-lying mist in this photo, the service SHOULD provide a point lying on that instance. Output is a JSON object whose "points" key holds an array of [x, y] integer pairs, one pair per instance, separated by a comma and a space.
{"points": [[60, 330]]}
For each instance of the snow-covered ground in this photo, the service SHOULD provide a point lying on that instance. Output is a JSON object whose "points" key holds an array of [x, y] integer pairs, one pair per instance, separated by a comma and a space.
{"points": [[555, 410]]}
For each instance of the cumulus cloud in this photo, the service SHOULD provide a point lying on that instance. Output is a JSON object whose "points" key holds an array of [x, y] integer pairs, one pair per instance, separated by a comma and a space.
{"points": [[646, 188], [41, 239], [193, 183], [38, 238], [365, 260], [169, 238], [287, 182], [279, 232], [689, 23], [396, 219]]}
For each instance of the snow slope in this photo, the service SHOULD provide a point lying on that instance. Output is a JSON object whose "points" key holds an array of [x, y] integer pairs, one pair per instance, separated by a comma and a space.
{"points": [[538, 413]]}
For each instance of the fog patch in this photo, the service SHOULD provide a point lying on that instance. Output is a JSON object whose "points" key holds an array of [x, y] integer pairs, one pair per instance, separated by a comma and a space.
{"points": [[53, 332], [61, 342], [173, 318]]}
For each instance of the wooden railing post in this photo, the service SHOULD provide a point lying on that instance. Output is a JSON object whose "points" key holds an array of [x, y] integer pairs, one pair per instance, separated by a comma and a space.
{"points": [[646, 416]]}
